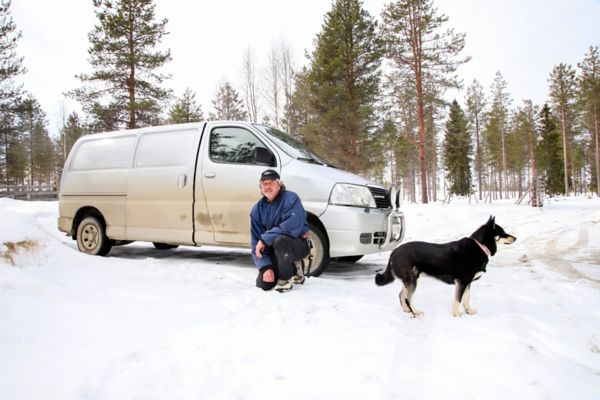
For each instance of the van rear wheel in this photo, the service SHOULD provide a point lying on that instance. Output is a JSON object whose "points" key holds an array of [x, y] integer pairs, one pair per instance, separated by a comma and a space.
{"points": [[91, 237], [319, 251]]}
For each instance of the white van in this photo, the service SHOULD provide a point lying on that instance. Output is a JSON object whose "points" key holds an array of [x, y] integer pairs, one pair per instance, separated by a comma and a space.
{"points": [[195, 184]]}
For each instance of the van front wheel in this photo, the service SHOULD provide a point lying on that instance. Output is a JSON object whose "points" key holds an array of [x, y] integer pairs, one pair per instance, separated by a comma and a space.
{"points": [[319, 250], [91, 237]]}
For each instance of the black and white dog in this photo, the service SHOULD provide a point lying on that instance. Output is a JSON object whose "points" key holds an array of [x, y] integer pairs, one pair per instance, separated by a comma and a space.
{"points": [[460, 263]]}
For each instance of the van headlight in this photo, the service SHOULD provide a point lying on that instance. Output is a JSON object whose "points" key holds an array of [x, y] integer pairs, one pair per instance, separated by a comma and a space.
{"points": [[344, 194]]}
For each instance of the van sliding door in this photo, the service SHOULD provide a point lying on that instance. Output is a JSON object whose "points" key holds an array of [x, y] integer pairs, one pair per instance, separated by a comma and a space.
{"points": [[160, 187]]}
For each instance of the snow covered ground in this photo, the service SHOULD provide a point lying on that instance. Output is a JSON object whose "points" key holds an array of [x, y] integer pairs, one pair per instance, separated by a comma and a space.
{"points": [[189, 323]]}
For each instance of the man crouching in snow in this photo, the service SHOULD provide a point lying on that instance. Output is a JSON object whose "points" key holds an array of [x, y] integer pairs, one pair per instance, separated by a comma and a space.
{"points": [[279, 235]]}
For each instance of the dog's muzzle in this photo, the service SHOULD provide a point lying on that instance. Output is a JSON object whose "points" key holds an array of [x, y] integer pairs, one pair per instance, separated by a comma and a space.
{"points": [[507, 240]]}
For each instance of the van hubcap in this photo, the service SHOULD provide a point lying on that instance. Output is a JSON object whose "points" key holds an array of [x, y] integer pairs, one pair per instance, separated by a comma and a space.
{"points": [[89, 237]]}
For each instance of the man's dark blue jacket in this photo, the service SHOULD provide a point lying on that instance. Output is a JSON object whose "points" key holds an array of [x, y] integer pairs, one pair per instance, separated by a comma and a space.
{"points": [[285, 215]]}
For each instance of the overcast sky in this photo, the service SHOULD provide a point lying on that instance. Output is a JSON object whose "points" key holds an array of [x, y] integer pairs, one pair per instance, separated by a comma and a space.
{"points": [[523, 39]]}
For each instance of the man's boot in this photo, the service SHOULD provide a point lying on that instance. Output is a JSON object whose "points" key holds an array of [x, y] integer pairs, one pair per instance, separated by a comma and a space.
{"points": [[299, 278]]}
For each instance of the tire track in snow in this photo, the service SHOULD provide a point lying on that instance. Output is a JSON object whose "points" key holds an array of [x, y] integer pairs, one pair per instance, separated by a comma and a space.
{"points": [[553, 255]]}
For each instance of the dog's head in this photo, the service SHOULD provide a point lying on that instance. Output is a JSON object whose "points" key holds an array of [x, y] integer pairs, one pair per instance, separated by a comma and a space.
{"points": [[490, 233], [499, 234]]}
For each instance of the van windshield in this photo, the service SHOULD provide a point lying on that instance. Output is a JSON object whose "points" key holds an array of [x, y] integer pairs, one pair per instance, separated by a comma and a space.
{"points": [[292, 146]]}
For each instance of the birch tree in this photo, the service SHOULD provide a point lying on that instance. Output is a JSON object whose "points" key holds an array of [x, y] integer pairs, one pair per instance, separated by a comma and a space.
{"points": [[250, 86]]}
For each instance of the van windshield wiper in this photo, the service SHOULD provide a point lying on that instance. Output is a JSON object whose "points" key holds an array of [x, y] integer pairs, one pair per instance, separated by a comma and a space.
{"points": [[309, 160]]}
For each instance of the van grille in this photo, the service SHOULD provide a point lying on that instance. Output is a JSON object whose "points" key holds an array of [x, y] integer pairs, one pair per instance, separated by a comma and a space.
{"points": [[381, 198]]}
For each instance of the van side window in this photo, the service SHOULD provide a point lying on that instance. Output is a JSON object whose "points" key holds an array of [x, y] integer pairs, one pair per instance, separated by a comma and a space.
{"points": [[110, 153], [233, 145], [165, 148]]}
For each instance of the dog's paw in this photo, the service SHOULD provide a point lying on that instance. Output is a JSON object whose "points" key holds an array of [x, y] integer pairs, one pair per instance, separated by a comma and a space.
{"points": [[471, 311], [458, 313]]}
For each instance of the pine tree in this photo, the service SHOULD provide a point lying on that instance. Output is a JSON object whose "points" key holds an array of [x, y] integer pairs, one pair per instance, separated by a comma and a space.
{"points": [[400, 103], [11, 66], [562, 92], [417, 46], [550, 152], [228, 105], [497, 130], [476, 106], [124, 90], [589, 88], [186, 109], [457, 147], [343, 86], [36, 141], [16, 160], [299, 113], [69, 134], [522, 143]]}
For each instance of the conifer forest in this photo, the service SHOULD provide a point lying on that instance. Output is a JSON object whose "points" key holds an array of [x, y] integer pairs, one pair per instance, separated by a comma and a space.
{"points": [[371, 98]]}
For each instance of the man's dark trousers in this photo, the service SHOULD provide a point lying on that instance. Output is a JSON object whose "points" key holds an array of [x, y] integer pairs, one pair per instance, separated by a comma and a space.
{"points": [[284, 252]]}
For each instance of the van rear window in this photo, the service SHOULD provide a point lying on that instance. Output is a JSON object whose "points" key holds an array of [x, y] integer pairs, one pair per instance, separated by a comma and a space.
{"points": [[107, 153]]}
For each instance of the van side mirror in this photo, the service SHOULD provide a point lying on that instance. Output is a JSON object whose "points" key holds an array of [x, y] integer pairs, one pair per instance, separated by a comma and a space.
{"points": [[261, 155]]}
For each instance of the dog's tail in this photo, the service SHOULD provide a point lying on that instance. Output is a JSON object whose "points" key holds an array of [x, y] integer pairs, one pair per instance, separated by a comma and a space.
{"points": [[386, 277]]}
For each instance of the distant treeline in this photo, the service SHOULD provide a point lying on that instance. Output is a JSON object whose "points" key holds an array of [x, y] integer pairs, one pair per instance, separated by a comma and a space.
{"points": [[371, 99]]}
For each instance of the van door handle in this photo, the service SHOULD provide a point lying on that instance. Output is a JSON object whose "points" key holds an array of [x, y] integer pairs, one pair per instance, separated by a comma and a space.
{"points": [[182, 181], [210, 175]]}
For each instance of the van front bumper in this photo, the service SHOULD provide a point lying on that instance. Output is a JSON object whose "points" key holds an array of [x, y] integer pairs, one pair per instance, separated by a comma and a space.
{"points": [[356, 231]]}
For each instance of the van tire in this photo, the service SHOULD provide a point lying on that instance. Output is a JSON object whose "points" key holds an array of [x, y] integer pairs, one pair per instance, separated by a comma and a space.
{"points": [[164, 246], [91, 237], [319, 251]]}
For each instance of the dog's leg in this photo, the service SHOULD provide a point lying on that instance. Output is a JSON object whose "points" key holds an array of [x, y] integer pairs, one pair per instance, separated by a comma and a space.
{"points": [[458, 296], [466, 300], [406, 298]]}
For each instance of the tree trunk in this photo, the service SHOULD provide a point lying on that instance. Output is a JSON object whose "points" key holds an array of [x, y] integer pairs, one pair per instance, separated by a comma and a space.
{"points": [[31, 157], [504, 172], [565, 154], [597, 152], [478, 155], [533, 193], [421, 145]]}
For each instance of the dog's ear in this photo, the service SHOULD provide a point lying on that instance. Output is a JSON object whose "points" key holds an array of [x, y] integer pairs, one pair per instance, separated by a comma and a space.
{"points": [[491, 221]]}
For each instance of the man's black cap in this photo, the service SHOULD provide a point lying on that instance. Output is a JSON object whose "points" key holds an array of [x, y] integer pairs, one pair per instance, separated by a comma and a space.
{"points": [[269, 174]]}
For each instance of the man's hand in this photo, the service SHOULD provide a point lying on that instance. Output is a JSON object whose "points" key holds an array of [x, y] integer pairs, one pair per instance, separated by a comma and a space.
{"points": [[260, 247], [269, 276]]}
